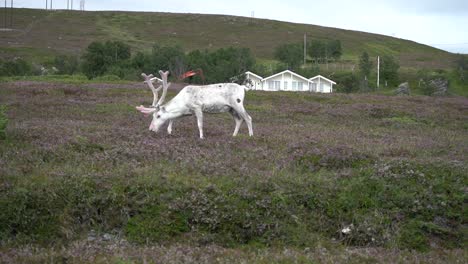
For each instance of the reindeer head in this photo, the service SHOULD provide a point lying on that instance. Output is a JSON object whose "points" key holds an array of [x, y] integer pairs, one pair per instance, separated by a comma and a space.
{"points": [[157, 109]]}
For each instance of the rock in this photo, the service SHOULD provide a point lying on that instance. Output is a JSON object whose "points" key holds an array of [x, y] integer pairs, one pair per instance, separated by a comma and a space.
{"points": [[106, 237], [403, 89], [439, 86]]}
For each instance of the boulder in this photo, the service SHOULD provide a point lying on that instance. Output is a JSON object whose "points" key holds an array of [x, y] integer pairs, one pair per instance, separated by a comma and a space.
{"points": [[403, 89], [439, 86]]}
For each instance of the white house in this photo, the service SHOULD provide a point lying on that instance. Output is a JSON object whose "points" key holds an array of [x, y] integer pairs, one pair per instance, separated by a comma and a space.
{"points": [[256, 80], [286, 81], [290, 81], [322, 84]]}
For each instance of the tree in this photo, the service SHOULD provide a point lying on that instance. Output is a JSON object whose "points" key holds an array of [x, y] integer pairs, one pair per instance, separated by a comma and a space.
{"points": [[322, 51], [140, 61], [389, 70], [334, 47], [365, 65], [316, 50], [99, 57], [171, 58], [221, 65], [290, 54]]}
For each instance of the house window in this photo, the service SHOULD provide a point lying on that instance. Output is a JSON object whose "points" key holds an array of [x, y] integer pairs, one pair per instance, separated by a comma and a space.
{"points": [[285, 85], [313, 87], [300, 85], [277, 85], [294, 86], [270, 85]]}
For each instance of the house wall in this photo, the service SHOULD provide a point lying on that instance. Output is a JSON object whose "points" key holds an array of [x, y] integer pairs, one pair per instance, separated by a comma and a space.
{"points": [[322, 86], [257, 83], [285, 82], [325, 87]]}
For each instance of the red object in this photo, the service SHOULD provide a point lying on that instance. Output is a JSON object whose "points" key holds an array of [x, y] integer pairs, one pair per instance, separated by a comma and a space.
{"points": [[193, 73]]}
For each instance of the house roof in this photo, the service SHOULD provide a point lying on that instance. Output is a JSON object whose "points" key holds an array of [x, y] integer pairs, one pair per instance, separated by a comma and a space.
{"points": [[320, 76], [287, 71], [253, 74], [155, 78]]}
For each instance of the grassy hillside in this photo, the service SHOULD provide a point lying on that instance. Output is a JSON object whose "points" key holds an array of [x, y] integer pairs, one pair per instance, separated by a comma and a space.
{"points": [[81, 175], [41, 34]]}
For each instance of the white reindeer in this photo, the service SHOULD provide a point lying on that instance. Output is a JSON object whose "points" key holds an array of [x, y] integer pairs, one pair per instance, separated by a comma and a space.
{"points": [[215, 98]]}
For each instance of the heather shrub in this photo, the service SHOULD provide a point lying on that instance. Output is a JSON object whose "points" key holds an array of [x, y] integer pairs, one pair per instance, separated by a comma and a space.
{"points": [[80, 163], [396, 204], [3, 122], [313, 158], [156, 223]]}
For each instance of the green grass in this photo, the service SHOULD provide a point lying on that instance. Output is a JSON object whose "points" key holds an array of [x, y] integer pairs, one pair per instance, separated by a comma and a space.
{"points": [[70, 79], [48, 33]]}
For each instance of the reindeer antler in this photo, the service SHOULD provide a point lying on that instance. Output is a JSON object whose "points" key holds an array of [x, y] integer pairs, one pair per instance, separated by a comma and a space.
{"points": [[165, 86], [149, 80]]}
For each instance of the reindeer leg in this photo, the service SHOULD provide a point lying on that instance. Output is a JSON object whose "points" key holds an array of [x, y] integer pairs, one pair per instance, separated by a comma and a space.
{"points": [[169, 127], [238, 120], [248, 120], [243, 114], [199, 115]]}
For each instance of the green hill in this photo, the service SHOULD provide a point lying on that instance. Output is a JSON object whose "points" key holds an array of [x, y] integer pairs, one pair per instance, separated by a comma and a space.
{"points": [[40, 34]]}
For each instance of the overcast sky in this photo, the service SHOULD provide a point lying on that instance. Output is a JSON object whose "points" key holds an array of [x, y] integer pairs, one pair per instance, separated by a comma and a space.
{"points": [[443, 24]]}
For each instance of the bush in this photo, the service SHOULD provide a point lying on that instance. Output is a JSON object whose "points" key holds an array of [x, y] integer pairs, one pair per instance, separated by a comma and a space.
{"points": [[3, 122], [347, 83], [66, 64], [16, 67]]}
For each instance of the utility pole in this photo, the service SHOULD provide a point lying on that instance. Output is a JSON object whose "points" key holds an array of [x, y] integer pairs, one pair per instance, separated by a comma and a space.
{"points": [[378, 71], [11, 15], [46, 4], [51, 8], [305, 48], [5, 17], [71, 4], [68, 4]]}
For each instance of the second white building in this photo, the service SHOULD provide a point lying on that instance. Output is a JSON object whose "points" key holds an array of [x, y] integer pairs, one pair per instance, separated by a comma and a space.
{"points": [[290, 81]]}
